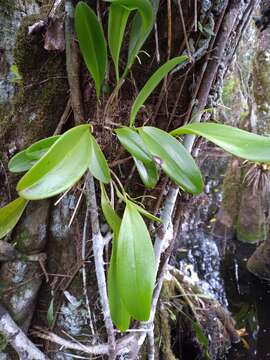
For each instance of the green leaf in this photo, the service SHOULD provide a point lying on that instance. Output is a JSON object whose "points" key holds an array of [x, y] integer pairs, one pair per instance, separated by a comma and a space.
{"points": [[98, 165], [20, 162], [10, 215], [201, 337], [60, 168], [136, 268], [175, 161], [118, 16], [16, 78], [92, 43], [237, 142], [39, 148], [152, 83], [25, 159], [148, 173], [119, 314], [141, 27], [133, 143]]}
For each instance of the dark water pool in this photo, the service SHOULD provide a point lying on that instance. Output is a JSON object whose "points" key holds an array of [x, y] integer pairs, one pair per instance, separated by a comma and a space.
{"points": [[249, 301]]}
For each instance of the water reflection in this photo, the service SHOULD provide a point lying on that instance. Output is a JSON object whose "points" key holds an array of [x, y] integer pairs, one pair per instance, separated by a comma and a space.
{"points": [[249, 302]]}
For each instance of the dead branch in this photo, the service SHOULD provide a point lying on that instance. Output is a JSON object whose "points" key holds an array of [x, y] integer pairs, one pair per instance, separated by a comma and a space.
{"points": [[98, 248], [73, 64], [17, 339], [101, 349]]}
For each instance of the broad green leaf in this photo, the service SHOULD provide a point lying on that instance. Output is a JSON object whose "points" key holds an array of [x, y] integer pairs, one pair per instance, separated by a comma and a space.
{"points": [[98, 165], [133, 143], [236, 141], [92, 43], [118, 16], [174, 159], [138, 34], [10, 215], [148, 173], [119, 314], [152, 83], [20, 162], [141, 27], [60, 168], [136, 268], [39, 148], [25, 159]]}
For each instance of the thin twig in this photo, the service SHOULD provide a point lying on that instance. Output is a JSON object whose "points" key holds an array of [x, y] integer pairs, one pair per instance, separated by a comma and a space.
{"points": [[184, 26], [85, 226], [120, 161], [151, 345], [54, 8], [73, 64], [157, 45], [64, 118], [98, 247], [166, 218], [169, 10], [196, 15], [123, 345], [101, 349], [76, 207]]}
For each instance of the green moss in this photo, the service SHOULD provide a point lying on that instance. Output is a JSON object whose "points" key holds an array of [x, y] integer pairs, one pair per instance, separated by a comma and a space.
{"points": [[165, 321], [5, 120], [41, 100], [228, 90], [232, 190], [166, 335], [3, 342], [22, 241], [7, 6], [250, 236], [261, 79]]}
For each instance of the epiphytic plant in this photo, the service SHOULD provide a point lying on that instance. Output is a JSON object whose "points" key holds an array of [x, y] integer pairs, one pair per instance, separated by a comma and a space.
{"points": [[55, 164]]}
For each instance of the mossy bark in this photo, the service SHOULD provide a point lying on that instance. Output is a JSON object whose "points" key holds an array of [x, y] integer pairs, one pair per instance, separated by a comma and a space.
{"points": [[31, 112]]}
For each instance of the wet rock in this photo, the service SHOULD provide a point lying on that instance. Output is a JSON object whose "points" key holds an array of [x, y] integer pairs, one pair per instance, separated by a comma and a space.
{"points": [[21, 282], [259, 262], [22, 279], [226, 219], [31, 233], [251, 225]]}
